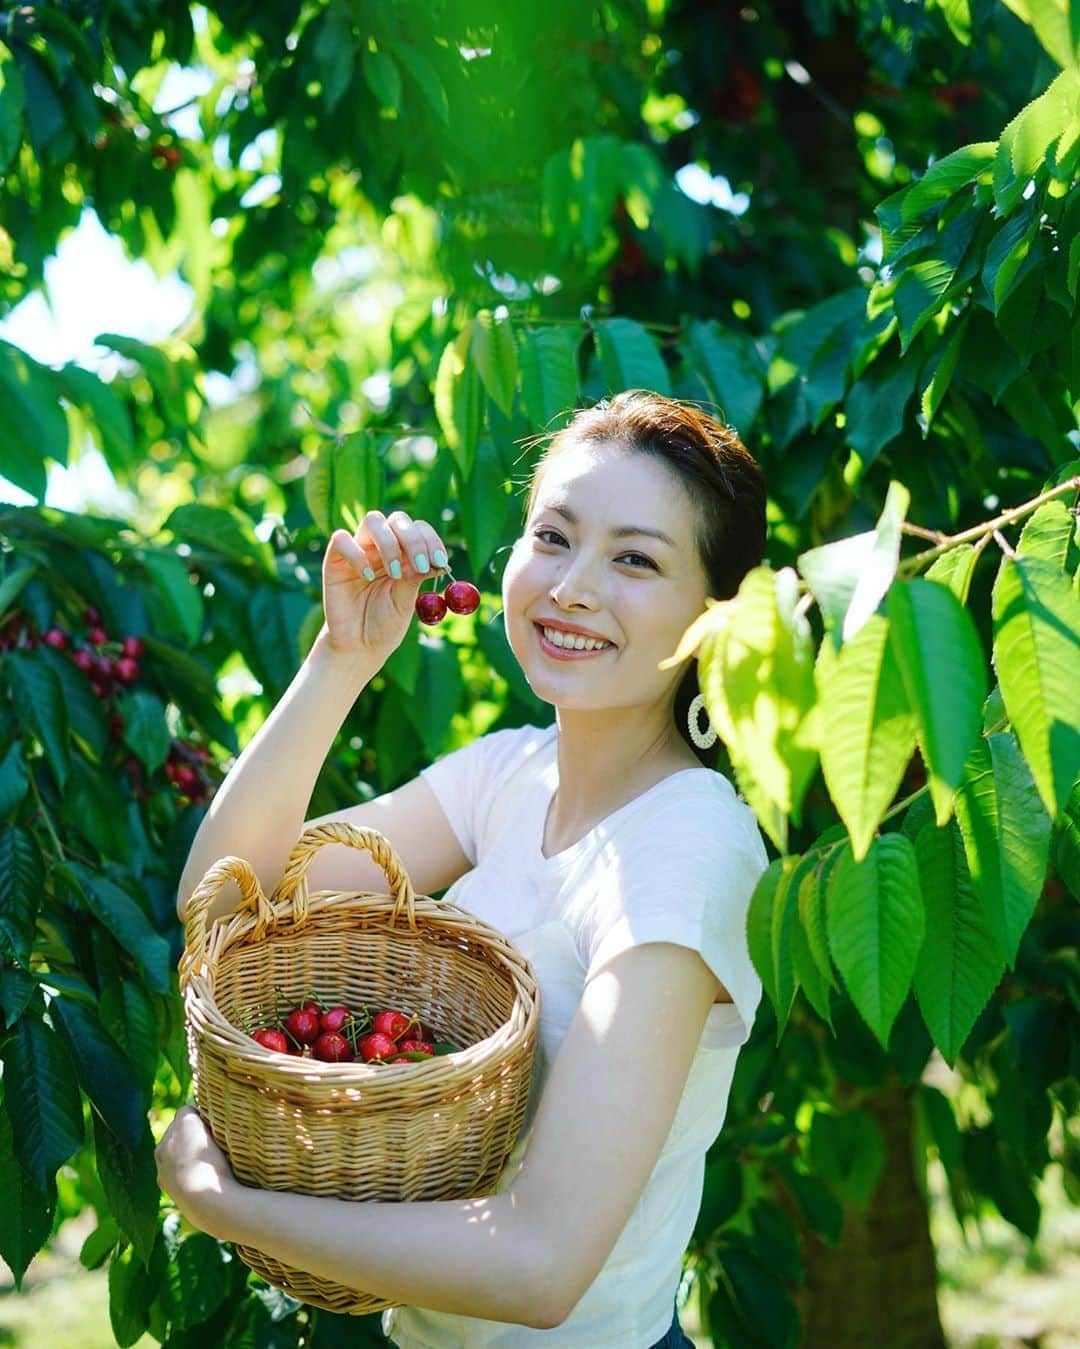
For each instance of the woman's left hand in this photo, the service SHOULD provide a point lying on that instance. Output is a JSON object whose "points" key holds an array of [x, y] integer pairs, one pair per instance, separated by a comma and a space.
{"points": [[194, 1171]]}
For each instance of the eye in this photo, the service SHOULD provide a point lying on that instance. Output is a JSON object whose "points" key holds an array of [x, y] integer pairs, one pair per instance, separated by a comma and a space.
{"points": [[642, 560]]}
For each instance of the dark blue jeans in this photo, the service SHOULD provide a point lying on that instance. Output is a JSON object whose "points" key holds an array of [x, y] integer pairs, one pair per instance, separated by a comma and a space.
{"points": [[676, 1337]]}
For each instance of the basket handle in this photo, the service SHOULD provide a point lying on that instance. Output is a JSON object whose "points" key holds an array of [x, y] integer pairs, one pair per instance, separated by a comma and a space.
{"points": [[294, 887], [195, 924]]}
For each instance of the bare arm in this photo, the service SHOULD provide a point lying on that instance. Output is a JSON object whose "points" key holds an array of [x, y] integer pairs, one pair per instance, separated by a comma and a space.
{"points": [[258, 811]]}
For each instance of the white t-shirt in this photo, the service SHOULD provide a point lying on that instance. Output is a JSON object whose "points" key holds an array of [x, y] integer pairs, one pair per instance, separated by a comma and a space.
{"points": [[678, 863]]}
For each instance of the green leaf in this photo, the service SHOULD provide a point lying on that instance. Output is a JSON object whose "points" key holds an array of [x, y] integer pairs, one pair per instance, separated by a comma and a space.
{"points": [[12, 103], [17, 988], [867, 732], [494, 353], [959, 965], [120, 915], [480, 498], [757, 679], [1052, 22], [1050, 533], [941, 662], [849, 578], [130, 1295], [732, 373], [810, 899], [28, 1210], [146, 730], [1036, 655], [105, 413], [222, 530], [874, 407], [427, 81], [99, 1245], [85, 712], [42, 1100], [127, 1013], [820, 1208], [383, 79], [166, 374], [1006, 836], [345, 482], [946, 177], [459, 403], [439, 688], [198, 1281], [876, 924], [129, 1178], [954, 569], [22, 881], [943, 370], [33, 427], [549, 382], [177, 608], [14, 780], [629, 358], [39, 706], [13, 582], [847, 1150], [94, 808], [103, 1071], [768, 926], [334, 47]]}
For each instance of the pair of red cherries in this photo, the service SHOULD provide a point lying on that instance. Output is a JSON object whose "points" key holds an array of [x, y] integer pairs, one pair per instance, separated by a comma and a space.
{"points": [[459, 597]]}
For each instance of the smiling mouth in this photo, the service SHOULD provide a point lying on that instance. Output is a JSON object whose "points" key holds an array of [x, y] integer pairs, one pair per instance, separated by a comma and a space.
{"points": [[569, 652]]}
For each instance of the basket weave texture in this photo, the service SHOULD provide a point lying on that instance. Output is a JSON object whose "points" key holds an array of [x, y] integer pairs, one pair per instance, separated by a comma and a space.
{"points": [[440, 1129]]}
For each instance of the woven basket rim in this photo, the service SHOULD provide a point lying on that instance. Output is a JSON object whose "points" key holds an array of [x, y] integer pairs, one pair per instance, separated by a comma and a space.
{"points": [[233, 929]]}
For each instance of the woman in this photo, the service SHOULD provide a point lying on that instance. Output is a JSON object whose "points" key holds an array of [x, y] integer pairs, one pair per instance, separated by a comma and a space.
{"points": [[604, 846]]}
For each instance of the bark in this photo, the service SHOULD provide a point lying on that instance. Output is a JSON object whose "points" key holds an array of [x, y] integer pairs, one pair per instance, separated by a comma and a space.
{"points": [[878, 1285]]}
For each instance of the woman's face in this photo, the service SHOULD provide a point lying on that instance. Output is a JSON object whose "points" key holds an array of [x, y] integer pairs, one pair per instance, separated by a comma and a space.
{"points": [[636, 590]]}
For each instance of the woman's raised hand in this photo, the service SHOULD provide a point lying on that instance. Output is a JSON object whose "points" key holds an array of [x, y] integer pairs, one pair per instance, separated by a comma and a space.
{"points": [[371, 579]]}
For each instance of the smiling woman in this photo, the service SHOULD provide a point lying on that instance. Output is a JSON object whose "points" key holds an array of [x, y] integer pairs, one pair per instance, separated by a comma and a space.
{"points": [[603, 845]]}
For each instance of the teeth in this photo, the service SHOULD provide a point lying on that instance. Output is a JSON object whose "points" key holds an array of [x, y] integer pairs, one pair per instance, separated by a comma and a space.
{"points": [[572, 643]]}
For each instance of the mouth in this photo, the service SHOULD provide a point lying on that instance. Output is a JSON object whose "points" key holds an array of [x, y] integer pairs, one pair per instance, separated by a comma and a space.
{"points": [[565, 653]]}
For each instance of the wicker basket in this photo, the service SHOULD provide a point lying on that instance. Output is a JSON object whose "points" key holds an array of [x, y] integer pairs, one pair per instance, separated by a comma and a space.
{"points": [[441, 1129]]}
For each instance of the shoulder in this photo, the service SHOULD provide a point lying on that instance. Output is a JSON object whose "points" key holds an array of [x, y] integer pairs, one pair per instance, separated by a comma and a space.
{"points": [[701, 808]]}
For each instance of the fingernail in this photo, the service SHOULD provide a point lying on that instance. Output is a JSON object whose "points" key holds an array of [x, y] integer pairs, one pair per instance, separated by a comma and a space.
{"points": [[395, 570], [369, 575], [421, 561], [440, 557]]}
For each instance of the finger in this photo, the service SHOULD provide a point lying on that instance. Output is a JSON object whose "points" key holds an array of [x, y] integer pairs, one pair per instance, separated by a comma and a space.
{"points": [[434, 545], [351, 553], [387, 546], [414, 540]]}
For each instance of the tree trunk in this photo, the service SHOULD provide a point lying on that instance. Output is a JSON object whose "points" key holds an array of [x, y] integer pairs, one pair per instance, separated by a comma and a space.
{"points": [[878, 1285]]}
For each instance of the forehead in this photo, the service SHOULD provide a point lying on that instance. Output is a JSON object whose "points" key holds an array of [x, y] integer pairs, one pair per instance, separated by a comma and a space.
{"points": [[600, 477]]}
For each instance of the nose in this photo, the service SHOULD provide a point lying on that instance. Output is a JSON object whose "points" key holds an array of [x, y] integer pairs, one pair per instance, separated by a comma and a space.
{"points": [[574, 589]]}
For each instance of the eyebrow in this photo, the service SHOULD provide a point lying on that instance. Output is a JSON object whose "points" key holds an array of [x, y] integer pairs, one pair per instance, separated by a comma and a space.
{"points": [[620, 531]]}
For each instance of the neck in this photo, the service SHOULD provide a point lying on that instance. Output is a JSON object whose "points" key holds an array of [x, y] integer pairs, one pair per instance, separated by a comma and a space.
{"points": [[608, 757]]}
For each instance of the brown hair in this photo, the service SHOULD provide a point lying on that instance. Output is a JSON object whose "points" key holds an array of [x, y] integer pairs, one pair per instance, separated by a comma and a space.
{"points": [[720, 476]]}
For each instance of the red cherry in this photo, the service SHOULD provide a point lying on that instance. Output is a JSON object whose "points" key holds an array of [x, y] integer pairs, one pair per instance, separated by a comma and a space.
{"points": [[84, 660], [431, 607], [271, 1039], [97, 636], [335, 1018], [302, 1026], [400, 1058], [116, 726], [392, 1023], [461, 596], [376, 1046], [187, 779], [133, 647], [126, 670], [57, 638], [332, 1048], [310, 1005], [416, 1047], [99, 690], [91, 616]]}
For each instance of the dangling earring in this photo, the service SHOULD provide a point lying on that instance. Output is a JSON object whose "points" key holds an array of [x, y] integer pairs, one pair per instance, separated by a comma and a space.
{"points": [[703, 739]]}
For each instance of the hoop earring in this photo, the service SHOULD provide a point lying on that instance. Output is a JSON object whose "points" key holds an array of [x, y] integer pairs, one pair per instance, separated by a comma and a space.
{"points": [[703, 739]]}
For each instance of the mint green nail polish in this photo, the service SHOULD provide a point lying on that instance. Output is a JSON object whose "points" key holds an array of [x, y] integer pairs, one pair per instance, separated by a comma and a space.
{"points": [[421, 561], [369, 575], [440, 557], [395, 570]]}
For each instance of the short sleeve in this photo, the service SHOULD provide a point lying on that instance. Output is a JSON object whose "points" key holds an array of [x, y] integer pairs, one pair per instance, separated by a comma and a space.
{"points": [[686, 875], [467, 780]]}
